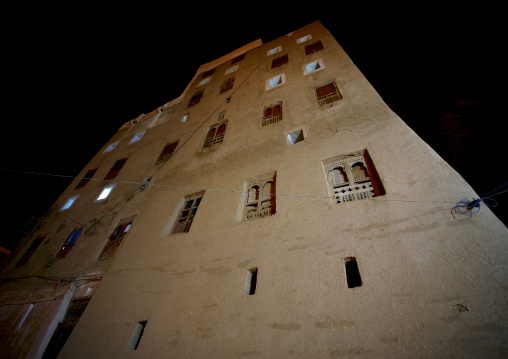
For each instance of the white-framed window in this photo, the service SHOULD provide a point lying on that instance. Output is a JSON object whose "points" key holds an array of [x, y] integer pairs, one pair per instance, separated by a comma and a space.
{"points": [[231, 69], [313, 67], [205, 81], [274, 50], [258, 197], [303, 39], [111, 147], [105, 192], [69, 203], [275, 81], [137, 136], [294, 137], [352, 177]]}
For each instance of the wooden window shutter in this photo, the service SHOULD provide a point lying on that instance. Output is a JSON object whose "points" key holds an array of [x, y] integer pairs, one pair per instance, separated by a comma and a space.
{"points": [[378, 187], [89, 174], [221, 129], [113, 172], [273, 195]]}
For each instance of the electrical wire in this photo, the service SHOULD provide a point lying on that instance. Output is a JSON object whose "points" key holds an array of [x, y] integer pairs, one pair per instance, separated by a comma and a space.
{"points": [[473, 206]]}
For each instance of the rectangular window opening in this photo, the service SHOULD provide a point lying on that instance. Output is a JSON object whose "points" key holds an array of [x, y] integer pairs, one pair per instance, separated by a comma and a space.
{"points": [[251, 281], [352, 273], [136, 335]]}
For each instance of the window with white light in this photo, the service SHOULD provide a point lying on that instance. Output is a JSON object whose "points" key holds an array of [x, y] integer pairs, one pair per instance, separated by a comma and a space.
{"points": [[111, 147], [313, 67], [137, 137], [205, 81], [303, 39], [105, 192], [274, 51], [275, 81], [231, 69], [69, 203]]}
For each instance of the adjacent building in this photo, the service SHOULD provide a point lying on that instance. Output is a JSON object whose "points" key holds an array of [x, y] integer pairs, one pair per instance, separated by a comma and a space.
{"points": [[277, 209]]}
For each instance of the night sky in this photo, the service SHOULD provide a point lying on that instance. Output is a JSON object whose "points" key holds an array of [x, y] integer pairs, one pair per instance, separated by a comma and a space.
{"points": [[73, 76]]}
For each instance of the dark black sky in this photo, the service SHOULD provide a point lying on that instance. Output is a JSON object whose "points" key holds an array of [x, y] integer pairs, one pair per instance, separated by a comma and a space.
{"points": [[74, 75]]}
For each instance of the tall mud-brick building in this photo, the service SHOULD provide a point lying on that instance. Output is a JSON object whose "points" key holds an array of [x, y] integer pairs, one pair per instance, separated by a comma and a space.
{"points": [[277, 209]]}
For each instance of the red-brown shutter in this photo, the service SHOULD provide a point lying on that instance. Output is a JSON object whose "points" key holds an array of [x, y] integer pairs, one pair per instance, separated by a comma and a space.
{"points": [[273, 195], [377, 185], [113, 172]]}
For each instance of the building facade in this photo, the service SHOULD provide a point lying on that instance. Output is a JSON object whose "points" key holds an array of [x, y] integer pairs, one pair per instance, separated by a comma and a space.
{"points": [[277, 209]]}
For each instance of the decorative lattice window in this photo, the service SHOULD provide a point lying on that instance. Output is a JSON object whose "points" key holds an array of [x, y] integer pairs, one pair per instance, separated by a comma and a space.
{"points": [[69, 243], [215, 134], [260, 197], [195, 98], [187, 213], [166, 153], [227, 85], [221, 115], [327, 94], [113, 172], [353, 177], [278, 62], [315, 47], [86, 178], [272, 114], [116, 238], [31, 250]]}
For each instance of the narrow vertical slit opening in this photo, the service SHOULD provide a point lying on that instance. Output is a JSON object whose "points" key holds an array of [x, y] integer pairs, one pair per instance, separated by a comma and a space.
{"points": [[352, 273], [136, 335], [251, 281]]}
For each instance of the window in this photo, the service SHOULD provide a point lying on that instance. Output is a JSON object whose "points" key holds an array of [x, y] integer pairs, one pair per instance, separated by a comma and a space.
{"points": [[303, 39], [278, 62], [275, 81], [208, 73], [352, 273], [315, 47], [69, 243], [187, 213], [31, 250], [274, 51], [113, 172], [215, 134], [137, 137], [195, 98], [227, 85], [313, 67], [136, 336], [116, 238], [231, 70], [105, 192], [294, 137], [221, 115], [205, 81], [184, 118], [353, 177], [251, 281], [272, 114], [260, 197], [166, 153], [327, 94], [69, 202], [89, 174], [111, 147], [238, 59]]}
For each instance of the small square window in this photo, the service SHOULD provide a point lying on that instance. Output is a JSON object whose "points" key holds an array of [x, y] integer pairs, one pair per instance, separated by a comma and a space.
{"points": [[227, 85], [31, 250], [278, 62], [238, 59], [205, 81], [195, 98], [111, 147], [184, 118], [105, 192], [313, 67], [231, 69], [87, 177], [275, 81], [113, 172], [274, 51], [315, 47], [208, 73], [303, 39], [69, 203], [294, 137], [137, 137], [69, 243]]}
